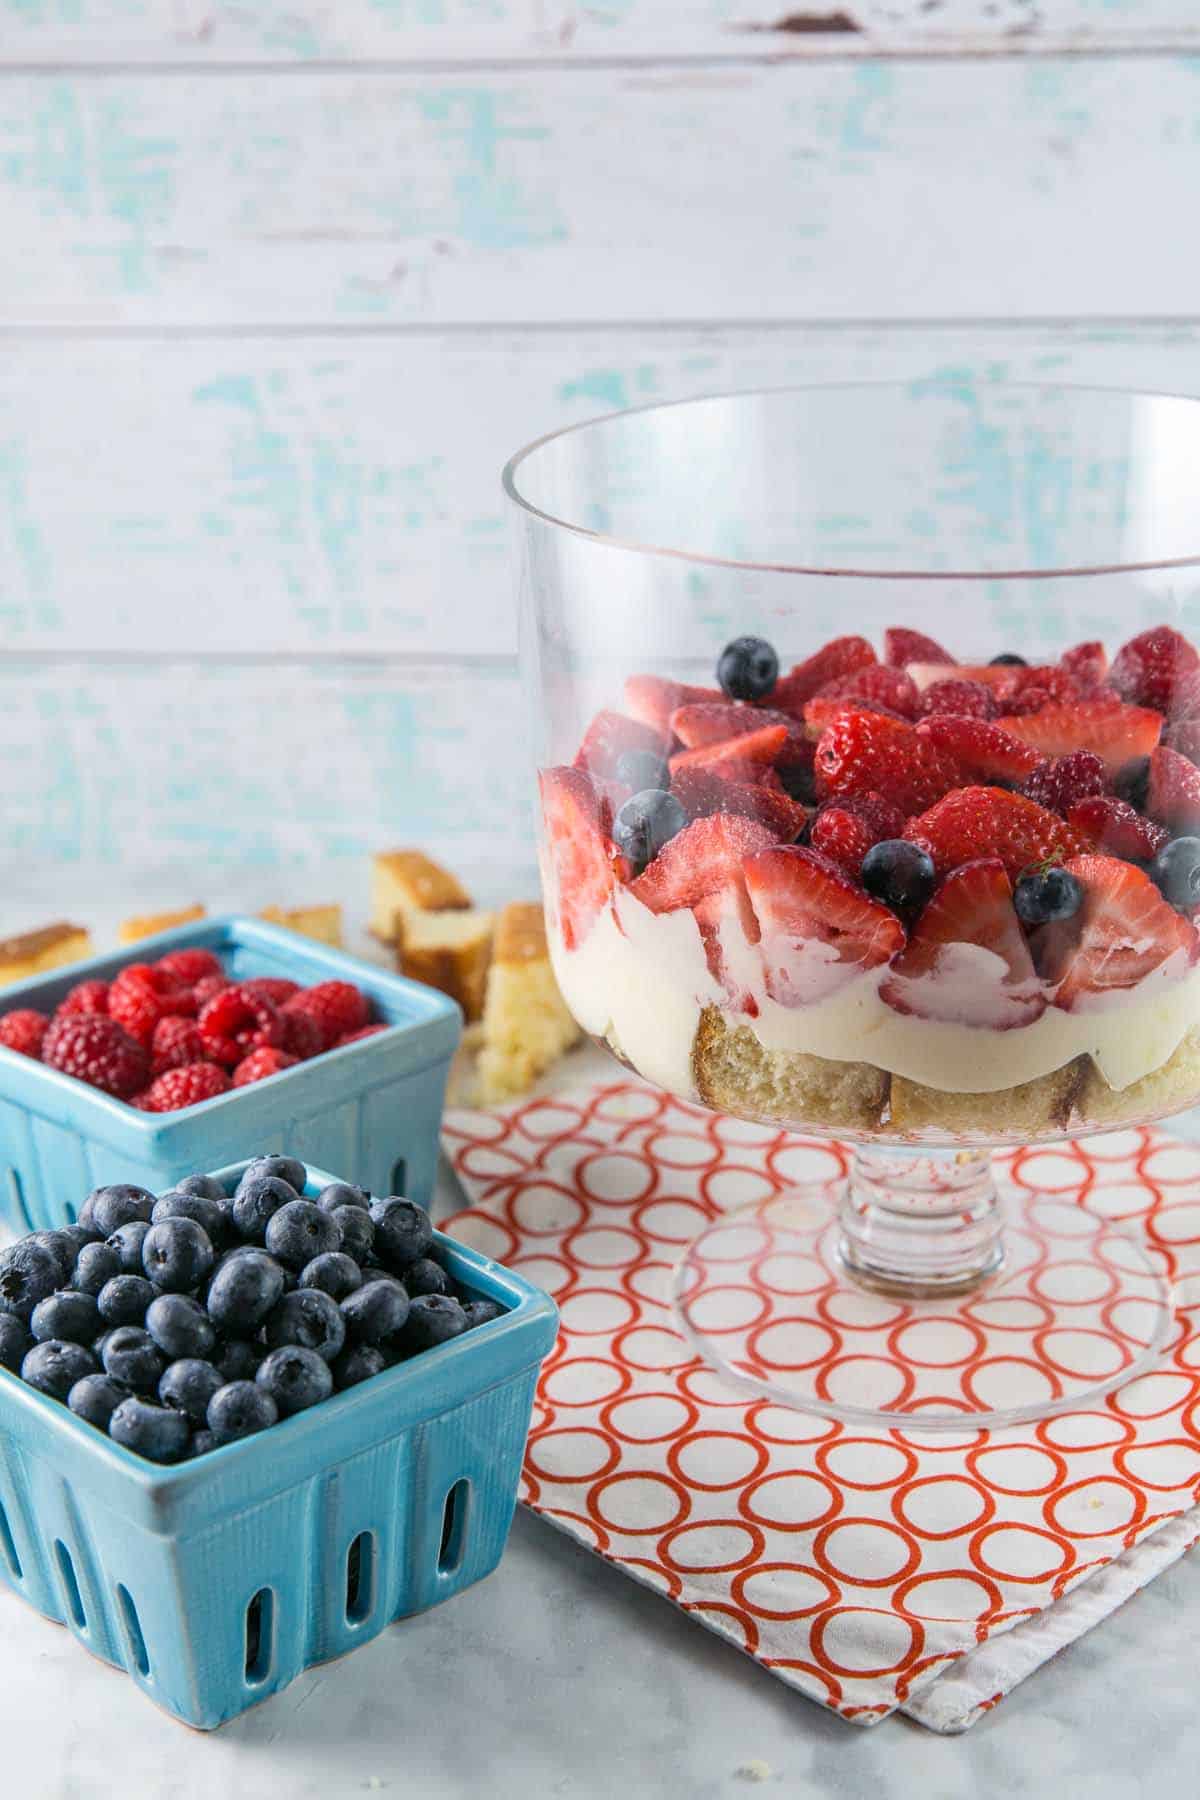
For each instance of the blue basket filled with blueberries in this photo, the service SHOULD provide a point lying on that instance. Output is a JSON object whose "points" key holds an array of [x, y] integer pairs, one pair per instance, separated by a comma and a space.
{"points": [[148, 1348]]}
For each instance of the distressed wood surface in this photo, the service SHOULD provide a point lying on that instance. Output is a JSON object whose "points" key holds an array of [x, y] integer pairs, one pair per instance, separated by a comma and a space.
{"points": [[316, 498], [879, 190], [206, 32]]}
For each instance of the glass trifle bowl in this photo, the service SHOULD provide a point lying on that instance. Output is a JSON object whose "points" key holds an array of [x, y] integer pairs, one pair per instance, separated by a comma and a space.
{"points": [[869, 723]]}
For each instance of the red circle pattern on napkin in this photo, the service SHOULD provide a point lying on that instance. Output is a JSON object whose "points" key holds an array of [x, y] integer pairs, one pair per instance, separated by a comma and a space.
{"points": [[855, 1565]]}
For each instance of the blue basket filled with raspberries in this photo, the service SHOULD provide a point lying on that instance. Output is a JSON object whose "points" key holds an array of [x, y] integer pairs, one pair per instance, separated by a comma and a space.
{"points": [[259, 1417], [221, 1033]]}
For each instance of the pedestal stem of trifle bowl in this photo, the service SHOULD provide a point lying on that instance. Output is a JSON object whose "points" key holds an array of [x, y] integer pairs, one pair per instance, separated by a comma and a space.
{"points": [[895, 906]]}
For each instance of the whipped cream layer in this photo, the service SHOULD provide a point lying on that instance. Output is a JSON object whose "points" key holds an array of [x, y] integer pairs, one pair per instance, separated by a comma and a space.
{"points": [[641, 980]]}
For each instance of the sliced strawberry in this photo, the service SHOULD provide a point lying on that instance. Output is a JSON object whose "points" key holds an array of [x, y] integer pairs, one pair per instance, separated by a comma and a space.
{"points": [[723, 916], [891, 688], [864, 751], [1148, 669], [1183, 735], [651, 699], [1030, 690], [714, 722], [704, 791], [701, 859], [820, 713], [902, 646], [940, 974], [609, 736], [756, 750], [842, 656], [1116, 734], [580, 850], [1123, 932], [818, 928], [1117, 829], [975, 822], [983, 751], [1173, 795], [1087, 663]]}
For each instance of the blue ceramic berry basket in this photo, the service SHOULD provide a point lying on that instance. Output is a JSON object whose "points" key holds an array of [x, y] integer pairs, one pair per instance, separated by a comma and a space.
{"points": [[215, 1583], [371, 1109]]}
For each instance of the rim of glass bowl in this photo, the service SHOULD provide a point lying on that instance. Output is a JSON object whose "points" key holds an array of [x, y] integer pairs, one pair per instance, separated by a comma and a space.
{"points": [[510, 473]]}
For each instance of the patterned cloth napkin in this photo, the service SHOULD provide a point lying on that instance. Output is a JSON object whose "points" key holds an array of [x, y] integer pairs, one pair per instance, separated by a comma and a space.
{"points": [[873, 1570]]}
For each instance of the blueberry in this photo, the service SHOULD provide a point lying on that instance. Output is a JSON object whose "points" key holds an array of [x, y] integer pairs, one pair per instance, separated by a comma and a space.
{"points": [[1008, 660], [157, 1432], [98, 1343], [402, 1232], [189, 1385], [28, 1272], [641, 769], [294, 1378], [243, 1291], [60, 1248], [899, 874], [180, 1326], [108, 1208], [799, 783], [343, 1193], [747, 668], [79, 1235], [308, 1318], [256, 1201], [1131, 782], [433, 1319], [1047, 894], [201, 1443], [426, 1277], [236, 1359], [69, 1315], [277, 1168], [645, 823], [126, 1244], [177, 1255], [1176, 870], [207, 1186], [239, 1409], [14, 1342], [299, 1231], [132, 1356], [124, 1299], [95, 1265], [334, 1273], [375, 1313], [481, 1312], [54, 1367], [357, 1363], [96, 1398], [212, 1217], [358, 1231]]}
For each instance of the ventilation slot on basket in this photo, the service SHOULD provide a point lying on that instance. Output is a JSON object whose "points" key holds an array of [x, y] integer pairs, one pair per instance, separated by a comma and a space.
{"points": [[454, 1527], [74, 1598], [16, 1199], [133, 1631], [260, 1628], [8, 1546], [360, 1578], [399, 1174], [72, 1214]]}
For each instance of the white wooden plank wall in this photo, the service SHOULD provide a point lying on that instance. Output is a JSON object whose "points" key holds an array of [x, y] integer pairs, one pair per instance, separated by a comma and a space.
{"points": [[282, 285]]}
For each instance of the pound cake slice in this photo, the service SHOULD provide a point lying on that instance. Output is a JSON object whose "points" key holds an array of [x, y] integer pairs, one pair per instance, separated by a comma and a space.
{"points": [[1031, 1109], [735, 1073], [37, 952], [450, 951], [324, 923], [526, 1025], [408, 881], [145, 925]]}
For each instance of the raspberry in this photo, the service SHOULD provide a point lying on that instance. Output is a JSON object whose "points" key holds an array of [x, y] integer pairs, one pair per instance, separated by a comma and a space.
{"points": [[271, 987], [235, 1022], [189, 966], [302, 1035], [356, 1037], [207, 988], [23, 1030], [337, 1006], [1028, 690], [86, 997], [96, 1050], [176, 1041], [884, 819], [1057, 785], [186, 1086], [843, 838], [261, 1063], [141, 996], [967, 699]]}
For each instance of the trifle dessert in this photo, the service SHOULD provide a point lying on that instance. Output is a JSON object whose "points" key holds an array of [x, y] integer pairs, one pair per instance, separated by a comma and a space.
{"points": [[893, 893]]}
